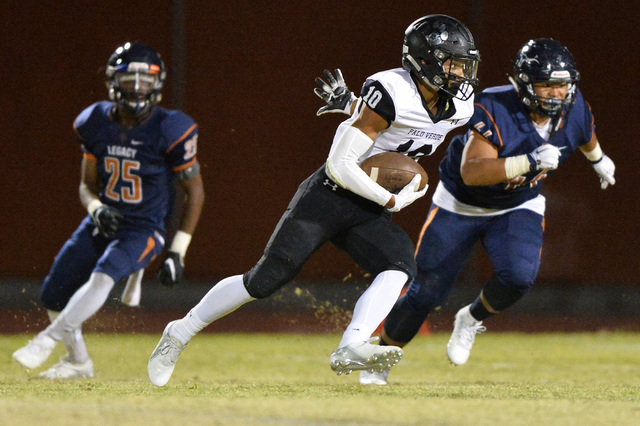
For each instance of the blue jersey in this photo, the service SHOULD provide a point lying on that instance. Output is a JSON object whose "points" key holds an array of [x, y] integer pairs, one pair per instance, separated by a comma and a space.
{"points": [[136, 164], [501, 118]]}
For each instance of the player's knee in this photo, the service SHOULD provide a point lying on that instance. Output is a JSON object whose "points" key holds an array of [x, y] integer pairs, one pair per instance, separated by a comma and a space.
{"points": [[426, 292], [408, 267], [403, 322], [519, 280], [505, 289], [269, 275], [51, 299]]}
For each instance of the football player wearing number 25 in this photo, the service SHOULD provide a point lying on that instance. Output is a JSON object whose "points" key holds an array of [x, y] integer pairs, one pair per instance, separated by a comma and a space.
{"points": [[408, 110], [133, 152]]}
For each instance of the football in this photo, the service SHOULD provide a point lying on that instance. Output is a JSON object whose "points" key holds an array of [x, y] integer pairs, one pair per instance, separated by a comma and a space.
{"points": [[393, 171]]}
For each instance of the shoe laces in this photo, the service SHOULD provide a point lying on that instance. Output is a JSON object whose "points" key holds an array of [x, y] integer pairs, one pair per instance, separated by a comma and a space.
{"points": [[467, 334]]}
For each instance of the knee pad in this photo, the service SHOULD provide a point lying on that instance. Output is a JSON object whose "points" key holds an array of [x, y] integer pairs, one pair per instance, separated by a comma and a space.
{"points": [[501, 294], [269, 275]]}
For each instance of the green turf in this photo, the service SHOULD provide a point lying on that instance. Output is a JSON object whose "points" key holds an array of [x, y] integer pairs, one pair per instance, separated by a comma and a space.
{"points": [[244, 379]]}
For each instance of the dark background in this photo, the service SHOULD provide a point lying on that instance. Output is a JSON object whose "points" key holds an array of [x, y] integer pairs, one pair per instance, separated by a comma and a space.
{"points": [[245, 71]]}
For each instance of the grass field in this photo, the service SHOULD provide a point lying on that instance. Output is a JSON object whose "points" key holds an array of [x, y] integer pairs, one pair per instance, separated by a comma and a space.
{"points": [[246, 379]]}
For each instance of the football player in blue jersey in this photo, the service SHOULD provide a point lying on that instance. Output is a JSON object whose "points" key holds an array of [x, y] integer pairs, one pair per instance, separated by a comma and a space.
{"points": [[133, 150], [489, 192], [408, 110]]}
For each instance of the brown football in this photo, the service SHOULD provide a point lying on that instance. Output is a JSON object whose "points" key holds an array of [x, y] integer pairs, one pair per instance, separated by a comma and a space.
{"points": [[393, 171]]}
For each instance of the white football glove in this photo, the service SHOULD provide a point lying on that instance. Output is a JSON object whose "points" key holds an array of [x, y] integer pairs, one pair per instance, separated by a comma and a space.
{"points": [[409, 194], [545, 156], [605, 168]]}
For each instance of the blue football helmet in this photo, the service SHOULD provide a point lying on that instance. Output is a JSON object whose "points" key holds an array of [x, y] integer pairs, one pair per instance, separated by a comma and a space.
{"points": [[429, 43], [135, 74], [545, 60]]}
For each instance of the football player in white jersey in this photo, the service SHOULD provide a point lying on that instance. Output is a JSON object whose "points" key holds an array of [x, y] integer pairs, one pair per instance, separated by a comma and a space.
{"points": [[407, 110], [489, 192]]}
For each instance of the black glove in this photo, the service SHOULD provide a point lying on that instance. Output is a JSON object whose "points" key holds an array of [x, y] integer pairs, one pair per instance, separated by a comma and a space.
{"points": [[170, 273], [107, 220], [335, 93]]}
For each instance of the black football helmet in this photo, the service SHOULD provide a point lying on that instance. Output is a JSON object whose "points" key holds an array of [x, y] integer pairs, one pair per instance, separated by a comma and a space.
{"points": [[135, 74], [540, 61], [432, 40]]}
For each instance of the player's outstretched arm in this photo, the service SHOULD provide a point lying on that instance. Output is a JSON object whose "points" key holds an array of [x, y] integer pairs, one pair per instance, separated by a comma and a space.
{"points": [[335, 93]]}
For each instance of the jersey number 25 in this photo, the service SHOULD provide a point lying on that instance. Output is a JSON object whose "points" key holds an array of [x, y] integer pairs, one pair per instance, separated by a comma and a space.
{"points": [[123, 169]]}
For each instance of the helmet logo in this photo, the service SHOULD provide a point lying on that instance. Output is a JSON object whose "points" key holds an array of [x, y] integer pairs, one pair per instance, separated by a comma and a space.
{"points": [[527, 60], [436, 39], [561, 74]]}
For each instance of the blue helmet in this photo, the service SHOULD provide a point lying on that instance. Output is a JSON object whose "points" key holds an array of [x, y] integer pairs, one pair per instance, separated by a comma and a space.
{"points": [[432, 40], [540, 61], [135, 74]]}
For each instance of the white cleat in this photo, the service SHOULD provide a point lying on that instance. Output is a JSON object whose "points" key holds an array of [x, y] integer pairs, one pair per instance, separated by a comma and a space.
{"points": [[164, 357], [35, 352], [464, 333], [364, 356], [65, 369], [376, 378]]}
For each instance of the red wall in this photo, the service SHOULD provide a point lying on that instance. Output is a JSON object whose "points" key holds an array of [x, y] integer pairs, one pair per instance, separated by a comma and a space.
{"points": [[249, 77]]}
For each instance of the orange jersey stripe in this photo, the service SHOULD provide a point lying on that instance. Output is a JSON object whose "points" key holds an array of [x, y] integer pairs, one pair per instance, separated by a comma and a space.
{"points": [[182, 137], [185, 166], [494, 124], [89, 157], [432, 214]]}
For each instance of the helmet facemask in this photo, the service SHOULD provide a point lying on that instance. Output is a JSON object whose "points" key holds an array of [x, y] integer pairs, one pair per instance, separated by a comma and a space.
{"points": [[547, 107]]}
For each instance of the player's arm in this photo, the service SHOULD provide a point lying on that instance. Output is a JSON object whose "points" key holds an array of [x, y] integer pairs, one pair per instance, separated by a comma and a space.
{"points": [[354, 142], [106, 218], [480, 165], [170, 273], [89, 182], [194, 200], [602, 164], [342, 163]]}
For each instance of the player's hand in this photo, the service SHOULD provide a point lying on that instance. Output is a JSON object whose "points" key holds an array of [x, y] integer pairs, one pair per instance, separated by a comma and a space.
{"points": [[107, 220], [545, 156], [335, 93], [409, 194], [170, 273], [605, 168]]}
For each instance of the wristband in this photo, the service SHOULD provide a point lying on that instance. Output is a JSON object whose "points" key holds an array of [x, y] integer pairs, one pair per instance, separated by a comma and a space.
{"points": [[595, 154], [516, 166], [94, 205], [180, 243]]}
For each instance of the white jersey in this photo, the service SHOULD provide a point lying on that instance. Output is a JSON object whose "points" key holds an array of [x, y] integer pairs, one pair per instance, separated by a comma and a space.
{"points": [[394, 95], [413, 130]]}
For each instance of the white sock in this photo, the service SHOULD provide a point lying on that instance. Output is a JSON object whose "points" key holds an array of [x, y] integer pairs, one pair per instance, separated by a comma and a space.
{"points": [[224, 298], [83, 304], [73, 341], [374, 305]]}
